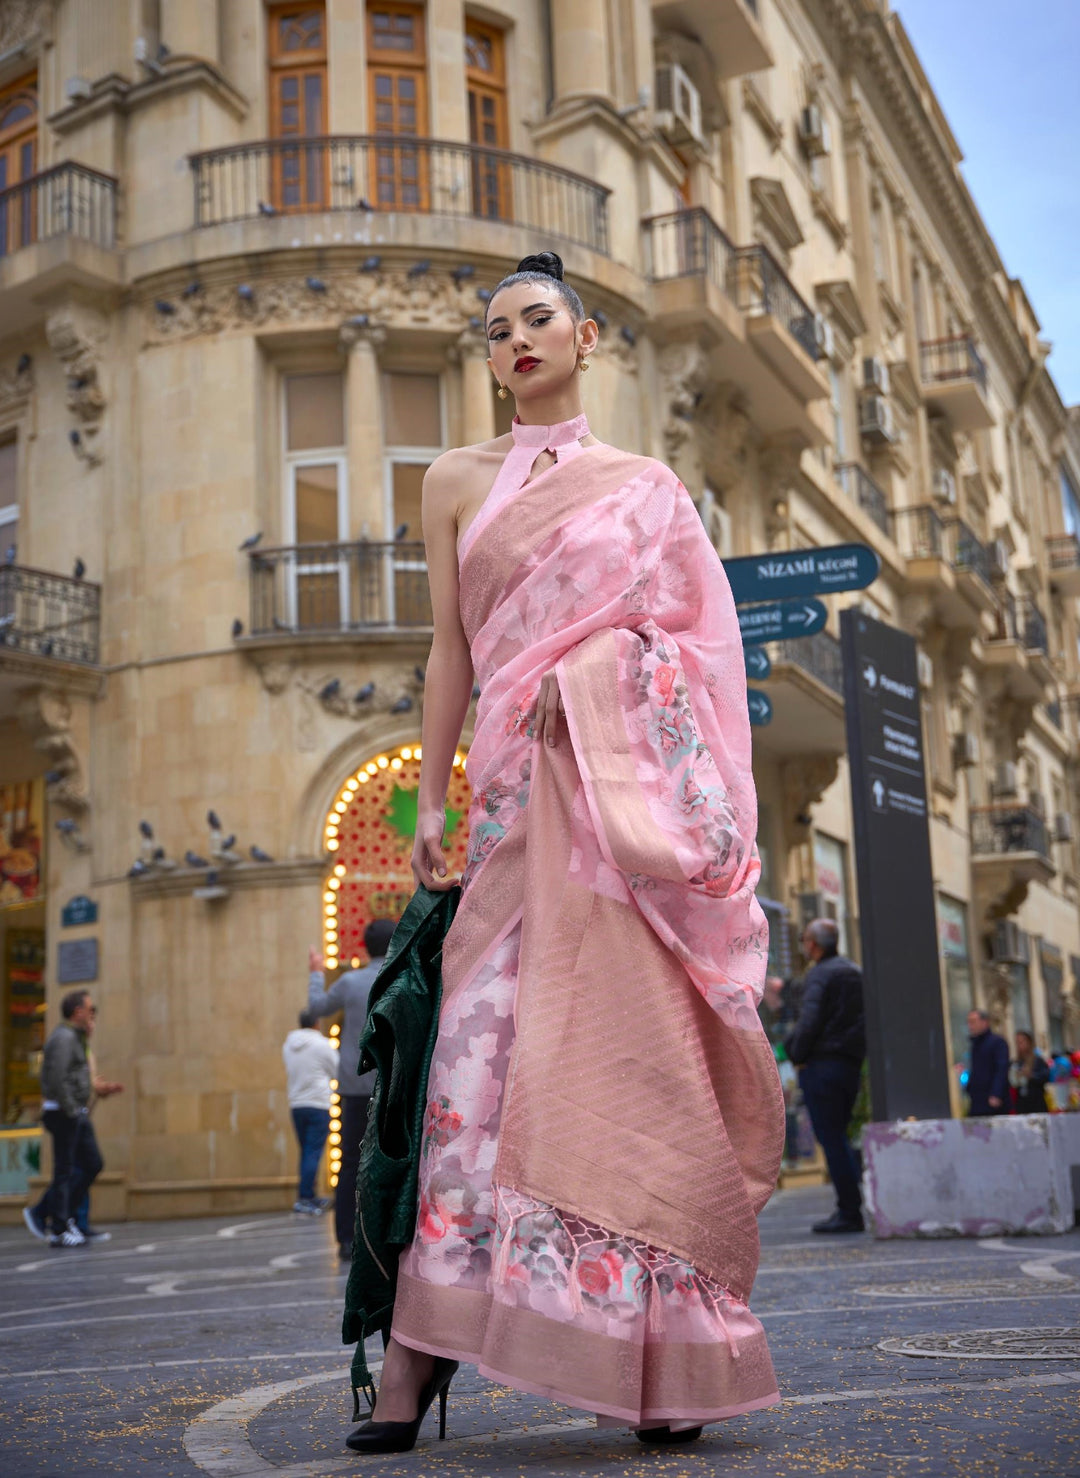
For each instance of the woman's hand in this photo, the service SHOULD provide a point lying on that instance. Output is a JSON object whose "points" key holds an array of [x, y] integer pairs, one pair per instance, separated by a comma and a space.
{"points": [[549, 708], [428, 858], [314, 958]]}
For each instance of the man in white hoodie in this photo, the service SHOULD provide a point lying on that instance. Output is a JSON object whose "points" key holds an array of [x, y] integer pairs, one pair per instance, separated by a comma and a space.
{"points": [[311, 1065]]}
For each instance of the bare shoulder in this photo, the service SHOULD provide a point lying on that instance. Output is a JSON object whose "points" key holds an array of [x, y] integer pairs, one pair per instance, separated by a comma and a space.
{"points": [[458, 469]]}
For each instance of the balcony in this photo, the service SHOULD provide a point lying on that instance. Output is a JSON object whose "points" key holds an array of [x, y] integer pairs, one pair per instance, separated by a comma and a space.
{"points": [[806, 686], [864, 492], [1020, 648], [49, 628], [729, 29], [948, 562], [57, 230], [368, 175], [954, 381], [312, 592], [762, 332], [1010, 846], [1063, 563]]}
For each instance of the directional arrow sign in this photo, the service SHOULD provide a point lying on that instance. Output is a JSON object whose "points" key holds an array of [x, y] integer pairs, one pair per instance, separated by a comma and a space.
{"points": [[781, 618], [802, 572], [758, 665], [760, 705]]}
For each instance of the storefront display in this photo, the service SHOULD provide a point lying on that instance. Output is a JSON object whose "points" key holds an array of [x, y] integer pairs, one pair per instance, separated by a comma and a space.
{"points": [[959, 993], [830, 879], [23, 1023], [21, 809]]}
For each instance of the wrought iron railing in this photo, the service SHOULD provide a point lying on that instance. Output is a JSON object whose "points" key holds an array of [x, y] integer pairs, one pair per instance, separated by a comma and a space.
{"points": [[966, 551], [759, 285], [373, 172], [1062, 552], [819, 655], [861, 488], [339, 587], [953, 358], [999, 830], [67, 200], [688, 243], [1019, 619], [47, 615], [919, 532]]}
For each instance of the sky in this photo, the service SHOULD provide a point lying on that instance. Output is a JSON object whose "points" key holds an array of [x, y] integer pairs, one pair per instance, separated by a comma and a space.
{"points": [[1008, 79]]}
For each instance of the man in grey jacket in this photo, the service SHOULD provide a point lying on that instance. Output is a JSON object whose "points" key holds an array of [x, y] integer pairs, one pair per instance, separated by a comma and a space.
{"points": [[349, 993]]}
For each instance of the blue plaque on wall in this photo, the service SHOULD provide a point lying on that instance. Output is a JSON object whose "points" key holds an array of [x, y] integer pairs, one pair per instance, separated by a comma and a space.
{"points": [[79, 910]]}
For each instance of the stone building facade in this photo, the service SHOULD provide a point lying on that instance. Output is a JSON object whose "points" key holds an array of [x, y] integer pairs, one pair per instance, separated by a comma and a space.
{"points": [[243, 251]]}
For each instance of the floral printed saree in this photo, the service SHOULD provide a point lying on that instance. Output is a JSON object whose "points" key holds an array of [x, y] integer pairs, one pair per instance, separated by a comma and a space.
{"points": [[605, 1118]]}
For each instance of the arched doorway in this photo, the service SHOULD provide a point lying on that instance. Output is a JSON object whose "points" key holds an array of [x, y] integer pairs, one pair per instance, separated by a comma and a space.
{"points": [[369, 833]]}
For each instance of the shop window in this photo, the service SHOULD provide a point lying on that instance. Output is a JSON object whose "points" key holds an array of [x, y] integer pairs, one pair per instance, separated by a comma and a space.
{"points": [[955, 952], [317, 574], [298, 86], [18, 162], [397, 106]]}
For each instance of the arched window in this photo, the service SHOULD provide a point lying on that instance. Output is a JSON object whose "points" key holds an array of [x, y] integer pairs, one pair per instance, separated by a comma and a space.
{"points": [[18, 161]]}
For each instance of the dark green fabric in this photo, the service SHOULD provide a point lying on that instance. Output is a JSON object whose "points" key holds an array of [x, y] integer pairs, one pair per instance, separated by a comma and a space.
{"points": [[398, 1040]]}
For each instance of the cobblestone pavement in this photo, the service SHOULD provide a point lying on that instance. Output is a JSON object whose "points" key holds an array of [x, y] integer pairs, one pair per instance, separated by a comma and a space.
{"points": [[211, 1347]]}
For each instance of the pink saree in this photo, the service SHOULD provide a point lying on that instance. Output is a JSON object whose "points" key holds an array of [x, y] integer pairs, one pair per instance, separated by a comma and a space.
{"points": [[605, 1117]]}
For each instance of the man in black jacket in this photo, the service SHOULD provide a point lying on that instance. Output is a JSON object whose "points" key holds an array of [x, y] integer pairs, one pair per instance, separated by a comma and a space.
{"points": [[988, 1076], [828, 1046]]}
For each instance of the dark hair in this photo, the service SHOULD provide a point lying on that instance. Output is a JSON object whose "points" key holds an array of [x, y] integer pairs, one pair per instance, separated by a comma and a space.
{"points": [[308, 1018], [546, 267], [1022, 1031], [377, 937], [71, 1003]]}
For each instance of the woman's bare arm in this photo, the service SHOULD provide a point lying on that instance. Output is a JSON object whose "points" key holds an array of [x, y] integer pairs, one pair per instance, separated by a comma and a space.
{"points": [[449, 681]]}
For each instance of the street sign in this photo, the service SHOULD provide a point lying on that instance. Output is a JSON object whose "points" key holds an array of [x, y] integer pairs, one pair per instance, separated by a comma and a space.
{"points": [[906, 1043], [760, 705], [779, 619], [78, 910], [758, 665], [758, 577]]}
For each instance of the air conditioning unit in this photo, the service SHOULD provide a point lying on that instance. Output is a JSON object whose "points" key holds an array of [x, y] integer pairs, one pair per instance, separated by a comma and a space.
{"points": [[1005, 779], [1037, 802], [965, 751], [944, 485], [876, 420], [997, 553], [875, 375], [1011, 945], [825, 336], [925, 665], [678, 104], [1063, 827], [814, 130]]}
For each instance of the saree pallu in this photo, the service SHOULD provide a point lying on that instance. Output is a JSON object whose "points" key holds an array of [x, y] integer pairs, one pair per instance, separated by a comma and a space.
{"points": [[605, 1117]]}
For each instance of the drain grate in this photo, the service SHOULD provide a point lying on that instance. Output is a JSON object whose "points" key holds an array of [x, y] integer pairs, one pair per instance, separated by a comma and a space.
{"points": [[971, 1288], [989, 1344]]}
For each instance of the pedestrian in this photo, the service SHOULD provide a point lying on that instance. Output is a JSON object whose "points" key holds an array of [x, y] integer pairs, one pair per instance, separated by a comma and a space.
{"points": [[69, 1084], [311, 1065], [604, 1117], [828, 1045], [988, 1071], [1029, 1076], [349, 993]]}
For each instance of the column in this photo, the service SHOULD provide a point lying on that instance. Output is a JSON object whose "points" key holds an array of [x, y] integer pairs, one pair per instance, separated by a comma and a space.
{"points": [[477, 388], [192, 28], [361, 342], [579, 40]]}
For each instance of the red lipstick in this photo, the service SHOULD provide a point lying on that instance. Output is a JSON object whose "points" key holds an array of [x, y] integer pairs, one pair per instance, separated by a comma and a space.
{"points": [[525, 363]]}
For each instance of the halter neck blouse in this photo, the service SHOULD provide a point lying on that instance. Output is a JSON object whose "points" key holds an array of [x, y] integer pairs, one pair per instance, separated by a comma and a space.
{"points": [[550, 437]]}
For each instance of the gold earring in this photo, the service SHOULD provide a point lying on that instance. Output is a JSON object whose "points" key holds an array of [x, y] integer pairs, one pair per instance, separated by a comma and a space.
{"points": [[584, 364], [502, 392]]}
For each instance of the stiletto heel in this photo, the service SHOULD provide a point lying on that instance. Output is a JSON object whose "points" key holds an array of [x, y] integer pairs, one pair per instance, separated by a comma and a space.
{"points": [[401, 1436]]}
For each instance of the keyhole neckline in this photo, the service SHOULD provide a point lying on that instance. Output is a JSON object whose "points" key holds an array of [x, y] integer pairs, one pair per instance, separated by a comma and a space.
{"points": [[549, 438]]}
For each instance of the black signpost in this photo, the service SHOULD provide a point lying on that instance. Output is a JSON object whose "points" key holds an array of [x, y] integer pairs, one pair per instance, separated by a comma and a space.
{"points": [[799, 572], [909, 1074], [760, 706]]}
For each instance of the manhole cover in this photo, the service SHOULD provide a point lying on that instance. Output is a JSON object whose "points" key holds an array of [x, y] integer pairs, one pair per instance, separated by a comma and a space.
{"points": [[989, 1344], [970, 1289]]}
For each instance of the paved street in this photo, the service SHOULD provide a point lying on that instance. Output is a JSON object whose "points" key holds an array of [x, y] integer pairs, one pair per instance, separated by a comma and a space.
{"points": [[212, 1347]]}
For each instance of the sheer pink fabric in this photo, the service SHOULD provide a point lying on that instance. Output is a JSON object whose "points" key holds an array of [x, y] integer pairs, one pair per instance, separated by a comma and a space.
{"points": [[605, 1117]]}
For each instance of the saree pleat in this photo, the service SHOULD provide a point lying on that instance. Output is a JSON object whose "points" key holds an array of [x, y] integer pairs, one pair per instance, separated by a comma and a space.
{"points": [[605, 1118]]}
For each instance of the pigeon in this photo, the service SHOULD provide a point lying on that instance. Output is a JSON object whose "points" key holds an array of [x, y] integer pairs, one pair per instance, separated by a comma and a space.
{"points": [[403, 705], [146, 830], [258, 855], [484, 294], [628, 334], [194, 860], [229, 842], [237, 628], [265, 209], [79, 571], [245, 292], [192, 289], [164, 307], [75, 437], [280, 625], [213, 821], [418, 269], [419, 674], [331, 690], [9, 555], [138, 869], [599, 317], [462, 274], [370, 264], [46, 648], [316, 284], [366, 692], [400, 532], [250, 542], [359, 320], [364, 204], [52, 776], [78, 382], [212, 878], [67, 826], [23, 363], [475, 322], [158, 858]]}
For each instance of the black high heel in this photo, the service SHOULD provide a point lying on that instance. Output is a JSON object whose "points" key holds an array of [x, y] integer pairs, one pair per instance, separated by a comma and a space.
{"points": [[401, 1436], [657, 1436]]}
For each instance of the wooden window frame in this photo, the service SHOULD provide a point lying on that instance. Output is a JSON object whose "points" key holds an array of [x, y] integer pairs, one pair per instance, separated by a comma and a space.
{"points": [[414, 456], [313, 162], [397, 146], [18, 214], [491, 178], [293, 461]]}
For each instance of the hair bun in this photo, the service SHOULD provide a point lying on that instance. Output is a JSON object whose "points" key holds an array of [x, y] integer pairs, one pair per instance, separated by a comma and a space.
{"points": [[544, 263]]}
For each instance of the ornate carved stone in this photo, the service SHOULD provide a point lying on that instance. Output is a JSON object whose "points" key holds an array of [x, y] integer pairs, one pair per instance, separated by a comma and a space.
{"points": [[16, 383], [803, 782], [22, 22], [76, 334], [45, 715], [684, 375], [355, 332]]}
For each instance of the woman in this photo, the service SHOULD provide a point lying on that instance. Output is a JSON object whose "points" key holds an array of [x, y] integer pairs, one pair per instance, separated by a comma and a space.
{"points": [[1029, 1076], [605, 1118]]}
